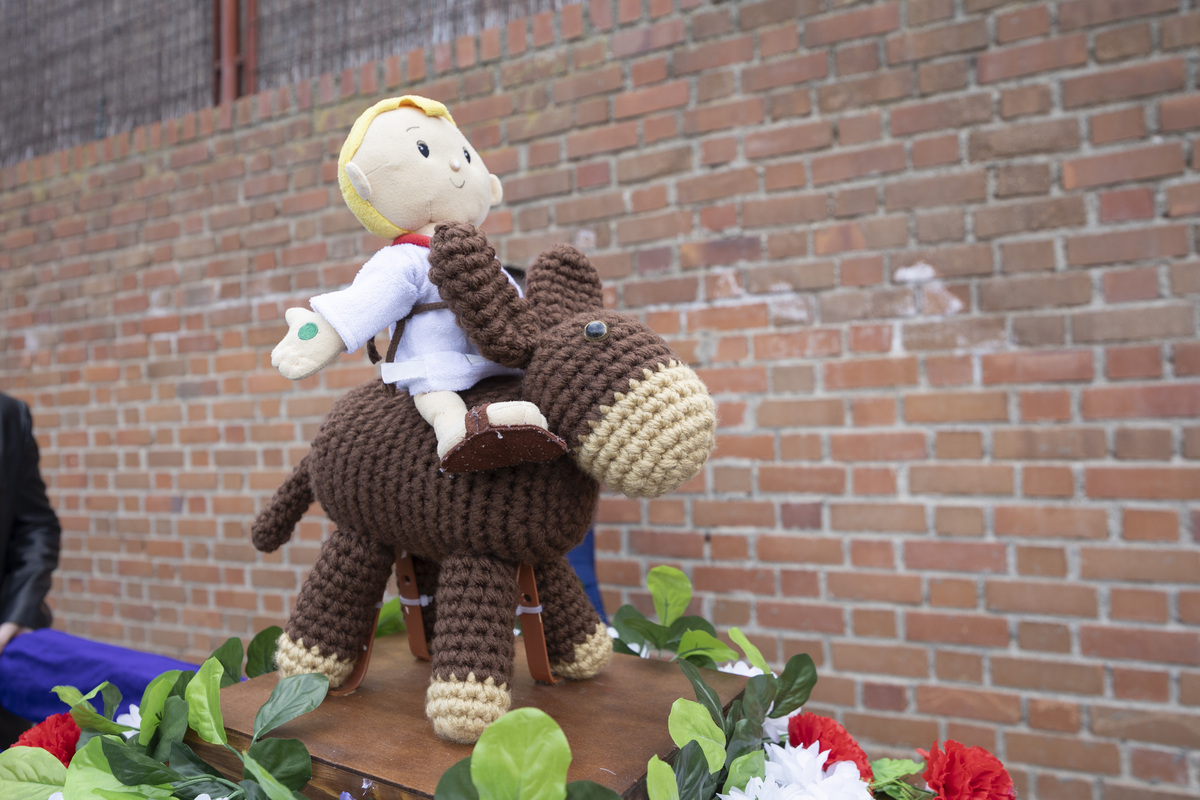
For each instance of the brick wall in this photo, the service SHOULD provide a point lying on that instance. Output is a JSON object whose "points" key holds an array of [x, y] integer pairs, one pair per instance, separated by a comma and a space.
{"points": [[936, 260]]}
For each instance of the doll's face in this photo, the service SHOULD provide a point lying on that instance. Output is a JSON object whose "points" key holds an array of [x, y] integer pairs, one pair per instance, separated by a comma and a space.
{"points": [[418, 171]]}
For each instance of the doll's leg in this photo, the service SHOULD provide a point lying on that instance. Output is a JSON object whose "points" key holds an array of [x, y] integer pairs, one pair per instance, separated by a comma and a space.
{"points": [[337, 607], [576, 640], [473, 646], [447, 413]]}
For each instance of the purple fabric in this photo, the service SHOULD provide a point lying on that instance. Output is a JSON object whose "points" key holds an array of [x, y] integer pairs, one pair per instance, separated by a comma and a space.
{"points": [[34, 663]]}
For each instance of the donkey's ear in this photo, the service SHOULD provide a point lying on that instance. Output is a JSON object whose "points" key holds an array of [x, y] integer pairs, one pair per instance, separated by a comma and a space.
{"points": [[562, 283]]}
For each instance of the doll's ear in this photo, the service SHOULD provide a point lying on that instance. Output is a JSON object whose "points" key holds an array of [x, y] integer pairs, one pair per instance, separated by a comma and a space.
{"points": [[497, 190], [358, 179]]}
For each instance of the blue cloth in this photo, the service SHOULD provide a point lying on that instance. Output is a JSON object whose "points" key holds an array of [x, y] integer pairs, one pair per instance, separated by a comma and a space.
{"points": [[34, 663], [583, 561]]}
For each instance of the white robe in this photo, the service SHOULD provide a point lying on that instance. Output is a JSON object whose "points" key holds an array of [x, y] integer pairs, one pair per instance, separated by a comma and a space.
{"points": [[434, 353]]}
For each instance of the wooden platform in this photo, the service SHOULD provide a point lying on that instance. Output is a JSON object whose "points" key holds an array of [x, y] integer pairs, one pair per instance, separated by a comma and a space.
{"points": [[614, 723]]}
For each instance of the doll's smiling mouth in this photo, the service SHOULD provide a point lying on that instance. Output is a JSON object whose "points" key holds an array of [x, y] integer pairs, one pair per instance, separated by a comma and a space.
{"points": [[458, 185]]}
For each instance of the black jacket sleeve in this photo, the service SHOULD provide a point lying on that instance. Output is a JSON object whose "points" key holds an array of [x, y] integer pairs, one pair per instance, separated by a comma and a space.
{"points": [[31, 552]]}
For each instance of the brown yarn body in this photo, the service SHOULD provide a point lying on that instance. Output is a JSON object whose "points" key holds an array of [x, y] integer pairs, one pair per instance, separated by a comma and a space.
{"points": [[374, 468]]}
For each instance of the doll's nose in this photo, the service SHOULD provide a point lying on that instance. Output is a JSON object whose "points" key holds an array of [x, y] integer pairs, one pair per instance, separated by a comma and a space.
{"points": [[455, 164]]}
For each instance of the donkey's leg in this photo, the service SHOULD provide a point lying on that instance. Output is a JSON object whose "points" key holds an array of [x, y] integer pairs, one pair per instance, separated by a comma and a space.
{"points": [[473, 646], [577, 641], [336, 608]]}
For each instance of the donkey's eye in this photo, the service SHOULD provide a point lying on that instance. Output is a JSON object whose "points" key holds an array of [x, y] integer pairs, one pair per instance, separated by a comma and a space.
{"points": [[423, 149], [467, 155], [595, 331]]}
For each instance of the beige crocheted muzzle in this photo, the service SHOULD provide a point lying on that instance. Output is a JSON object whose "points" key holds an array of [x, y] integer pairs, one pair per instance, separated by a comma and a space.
{"points": [[654, 437]]}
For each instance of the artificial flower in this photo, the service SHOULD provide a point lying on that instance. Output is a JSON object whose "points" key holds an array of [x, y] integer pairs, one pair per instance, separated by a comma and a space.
{"points": [[132, 718], [57, 734], [805, 729], [966, 773], [740, 668], [799, 773], [204, 796], [775, 729]]}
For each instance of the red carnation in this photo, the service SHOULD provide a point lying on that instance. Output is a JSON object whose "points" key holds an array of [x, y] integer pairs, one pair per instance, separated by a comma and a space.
{"points": [[804, 729], [57, 734], [967, 773]]}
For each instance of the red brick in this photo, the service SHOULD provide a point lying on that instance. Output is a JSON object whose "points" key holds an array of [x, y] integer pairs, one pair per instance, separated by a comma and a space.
{"points": [[1138, 644], [1179, 113], [1022, 23], [789, 139], [980, 479], [1023, 139], [1059, 443], [1155, 565], [962, 629], [1154, 400], [871, 21], [1030, 597], [1142, 483], [785, 72], [866, 373], [846, 165], [1031, 215], [867, 91], [943, 556], [931, 43], [644, 39], [1086, 13], [1028, 59], [1124, 83], [1037, 367], [946, 189], [1155, 161]]}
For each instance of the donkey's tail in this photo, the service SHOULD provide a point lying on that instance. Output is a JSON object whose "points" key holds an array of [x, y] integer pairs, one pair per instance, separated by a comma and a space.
{"points": [[274, 524]]}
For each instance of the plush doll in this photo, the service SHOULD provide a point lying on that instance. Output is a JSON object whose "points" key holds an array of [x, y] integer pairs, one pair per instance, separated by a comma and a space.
{"points": [[404, 169], [635, 418]]}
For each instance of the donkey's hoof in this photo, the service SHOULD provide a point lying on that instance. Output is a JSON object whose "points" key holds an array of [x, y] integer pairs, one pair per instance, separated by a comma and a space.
{"points": [[591, 656], [294, 658], [460, 710]]}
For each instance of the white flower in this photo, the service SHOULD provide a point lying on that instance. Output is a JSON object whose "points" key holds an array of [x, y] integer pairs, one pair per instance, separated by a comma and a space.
{"points": [[799, 773], [775, 728], [132, 718], [740, 668], [206, 797], [55, 796]]}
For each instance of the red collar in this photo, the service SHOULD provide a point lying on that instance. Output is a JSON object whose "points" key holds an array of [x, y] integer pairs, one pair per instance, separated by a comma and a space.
{"points": [[412, 238]]}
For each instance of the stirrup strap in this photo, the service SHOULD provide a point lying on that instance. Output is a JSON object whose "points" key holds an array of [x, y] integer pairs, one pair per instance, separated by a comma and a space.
{"points": [[410, 604], [529, 608]]}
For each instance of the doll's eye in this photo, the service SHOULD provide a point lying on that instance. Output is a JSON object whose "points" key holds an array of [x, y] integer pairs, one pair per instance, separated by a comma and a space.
{"points": [[467, 155], [595, 331], [423, 149]]}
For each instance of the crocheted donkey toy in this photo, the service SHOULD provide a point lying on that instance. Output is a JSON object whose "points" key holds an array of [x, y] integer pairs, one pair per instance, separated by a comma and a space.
{"points": [[637, 420]]}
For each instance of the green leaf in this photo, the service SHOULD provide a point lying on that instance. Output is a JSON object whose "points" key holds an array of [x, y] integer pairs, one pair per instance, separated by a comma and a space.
{"points": [[30, 773], [705, 644], [620, 621], [660, 781], [291, 697], [260, 655], [620, 647], [253, 790], [753, 654], [112, 699], [652, 633], [90, 775], [590, 790], [151, 707], [182, 681], [704, 693], [172, 729], [84, 713], [274, 789], [230, 655], [391, 620], [692, 778], [189, 765], [744, 767], [747, 737], [689, 721], [133, 768], [524, 755], [455, 783], [111, 794], [887, 770], [671, 591], [685, 624], [757, 697], [287, 759], [794, 685], [203, 695]]}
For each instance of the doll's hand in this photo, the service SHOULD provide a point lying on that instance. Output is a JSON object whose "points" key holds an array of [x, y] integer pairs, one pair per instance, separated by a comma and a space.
{"points": [[310, 345]]}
